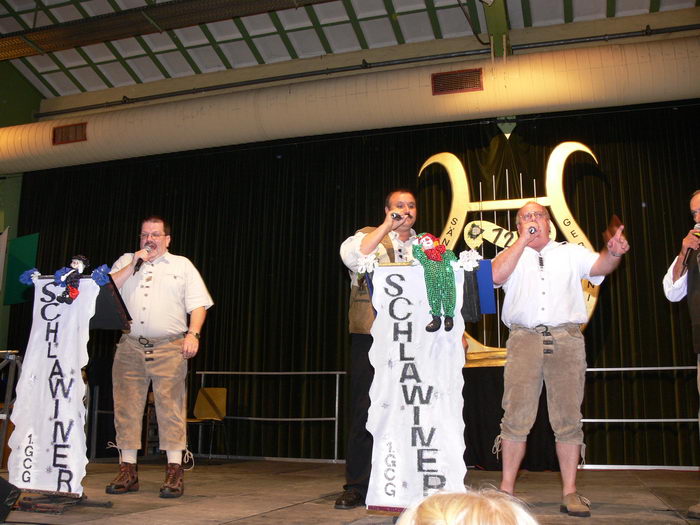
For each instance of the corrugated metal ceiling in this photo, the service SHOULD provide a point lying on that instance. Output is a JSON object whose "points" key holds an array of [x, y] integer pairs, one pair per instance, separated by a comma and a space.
{"points": [[278, 35]]}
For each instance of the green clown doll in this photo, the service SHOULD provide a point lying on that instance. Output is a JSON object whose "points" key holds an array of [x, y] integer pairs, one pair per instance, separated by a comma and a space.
{"points": [[439, 279]]}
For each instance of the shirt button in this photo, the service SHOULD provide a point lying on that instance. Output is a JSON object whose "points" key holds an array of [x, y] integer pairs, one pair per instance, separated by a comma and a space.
{"points": [[542, 293], [540, 309], [146, 295]]}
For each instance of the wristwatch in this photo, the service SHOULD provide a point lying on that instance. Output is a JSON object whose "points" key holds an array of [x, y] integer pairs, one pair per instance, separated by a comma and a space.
{"points": [[196, 334]]}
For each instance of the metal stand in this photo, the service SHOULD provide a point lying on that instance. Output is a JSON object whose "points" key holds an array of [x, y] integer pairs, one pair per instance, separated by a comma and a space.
{"points": [[11, 359], [57, 504]]}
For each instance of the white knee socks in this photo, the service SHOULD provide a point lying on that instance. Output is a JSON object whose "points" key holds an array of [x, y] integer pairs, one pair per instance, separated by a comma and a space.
{"points": [[174, 456]]}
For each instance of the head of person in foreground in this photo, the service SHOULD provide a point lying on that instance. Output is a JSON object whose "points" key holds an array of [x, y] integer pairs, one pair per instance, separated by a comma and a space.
{"points": [[475, 507]]}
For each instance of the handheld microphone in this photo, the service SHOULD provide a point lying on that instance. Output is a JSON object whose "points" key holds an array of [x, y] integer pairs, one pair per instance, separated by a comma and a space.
{"points": [[149, 249], [686, 259], [396, 216], [532, 230]]}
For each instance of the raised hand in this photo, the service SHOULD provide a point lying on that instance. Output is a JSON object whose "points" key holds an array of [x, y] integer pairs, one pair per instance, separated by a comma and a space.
{"points": [[617, 244]]}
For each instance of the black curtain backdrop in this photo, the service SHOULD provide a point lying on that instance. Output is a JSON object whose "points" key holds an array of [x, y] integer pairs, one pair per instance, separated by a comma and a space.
{"points": [[263, 223]]}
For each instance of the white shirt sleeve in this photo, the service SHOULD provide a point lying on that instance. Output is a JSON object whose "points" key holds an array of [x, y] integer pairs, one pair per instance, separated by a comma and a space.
{"points": [[196, 293], [350, 251], [587, 259], [123, 261], [675, 291]]}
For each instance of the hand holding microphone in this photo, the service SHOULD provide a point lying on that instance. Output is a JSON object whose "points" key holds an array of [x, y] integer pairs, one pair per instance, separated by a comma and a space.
{"points": [[398, 217], [527, 232], [148, 248], [691, 243]]}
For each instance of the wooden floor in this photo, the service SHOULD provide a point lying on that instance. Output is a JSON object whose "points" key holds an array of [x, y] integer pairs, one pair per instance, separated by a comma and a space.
{"points": [[273, 492]]}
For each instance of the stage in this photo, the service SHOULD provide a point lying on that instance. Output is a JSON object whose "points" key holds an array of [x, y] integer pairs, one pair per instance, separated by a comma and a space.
{"points": [[275, 492]]}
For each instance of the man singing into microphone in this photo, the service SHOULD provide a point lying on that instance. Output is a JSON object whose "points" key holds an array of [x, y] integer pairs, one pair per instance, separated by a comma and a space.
{"points": [[683, 278], [168, 301], [544, 308], [391, 241]]}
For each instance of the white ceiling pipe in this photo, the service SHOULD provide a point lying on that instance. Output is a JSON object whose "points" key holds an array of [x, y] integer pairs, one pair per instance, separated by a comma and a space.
{"points": [[581, 78]]}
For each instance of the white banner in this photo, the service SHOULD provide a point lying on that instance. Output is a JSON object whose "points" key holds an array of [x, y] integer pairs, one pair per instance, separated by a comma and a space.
{"points": [[415, 415], [48, 443]]}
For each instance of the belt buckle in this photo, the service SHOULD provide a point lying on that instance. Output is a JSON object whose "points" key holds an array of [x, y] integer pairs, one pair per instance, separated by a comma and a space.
{"points": [[145, 342], [542, 329]]}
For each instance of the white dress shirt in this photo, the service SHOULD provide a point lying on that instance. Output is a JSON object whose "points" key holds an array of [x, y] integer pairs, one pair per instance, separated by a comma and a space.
{"points": [[161, 294], [351, 255], [545, 287]]}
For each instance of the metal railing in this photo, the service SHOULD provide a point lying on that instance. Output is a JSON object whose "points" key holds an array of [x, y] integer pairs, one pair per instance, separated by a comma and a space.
{"points": [[334, 419], [640, 420], [11, 359]]}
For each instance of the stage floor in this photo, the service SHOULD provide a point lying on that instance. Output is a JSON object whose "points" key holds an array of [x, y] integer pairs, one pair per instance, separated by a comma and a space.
{"points": [[274, 492]]}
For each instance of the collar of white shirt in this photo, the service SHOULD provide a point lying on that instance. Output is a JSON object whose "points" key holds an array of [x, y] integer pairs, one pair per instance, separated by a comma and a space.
{"points": [[394, 236]]}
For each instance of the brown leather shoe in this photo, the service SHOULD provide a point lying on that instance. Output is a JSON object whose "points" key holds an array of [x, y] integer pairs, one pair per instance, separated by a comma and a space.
{"points": [[576, 505], [126, 481], [174, 484]]}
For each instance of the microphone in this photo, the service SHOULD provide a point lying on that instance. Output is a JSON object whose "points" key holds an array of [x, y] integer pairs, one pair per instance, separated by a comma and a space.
{"points": [[532, 230], [686, 259], [396, 216], [149, 249]]}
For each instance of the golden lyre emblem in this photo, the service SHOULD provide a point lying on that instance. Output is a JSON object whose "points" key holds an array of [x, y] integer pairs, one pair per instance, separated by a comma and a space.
{"points": [[477, 231]]}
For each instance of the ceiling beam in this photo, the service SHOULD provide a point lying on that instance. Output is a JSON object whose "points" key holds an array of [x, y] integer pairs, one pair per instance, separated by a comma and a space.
{"points": [[498, 29], [135, 22]]}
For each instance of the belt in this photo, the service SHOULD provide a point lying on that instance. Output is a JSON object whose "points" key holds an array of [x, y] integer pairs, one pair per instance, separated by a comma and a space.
{"points": [[153, 341], [543, 329], [546, 333]]}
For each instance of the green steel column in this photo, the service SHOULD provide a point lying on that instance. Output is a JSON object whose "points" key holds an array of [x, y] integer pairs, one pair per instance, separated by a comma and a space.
{"points": [[497, 23]]}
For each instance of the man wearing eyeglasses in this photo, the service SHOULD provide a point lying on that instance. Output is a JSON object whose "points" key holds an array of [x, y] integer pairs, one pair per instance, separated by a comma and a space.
{"points": [[683, 279], [544, 308], [168, 302]]}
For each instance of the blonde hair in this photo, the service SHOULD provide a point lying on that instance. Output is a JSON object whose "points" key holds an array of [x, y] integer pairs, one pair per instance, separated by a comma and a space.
{"points": [[474, 507]]}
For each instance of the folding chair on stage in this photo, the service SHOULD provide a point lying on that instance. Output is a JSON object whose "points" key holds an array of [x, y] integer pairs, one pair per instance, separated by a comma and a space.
{"points": [[210, 409]]}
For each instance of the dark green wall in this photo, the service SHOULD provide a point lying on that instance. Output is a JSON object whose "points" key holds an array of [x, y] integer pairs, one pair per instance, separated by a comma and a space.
{"points": [[18, 102], [18, 98]]}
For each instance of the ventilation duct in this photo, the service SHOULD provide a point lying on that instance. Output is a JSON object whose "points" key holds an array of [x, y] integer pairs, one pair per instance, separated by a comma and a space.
{"points": [[614, 75], [457, 81]]}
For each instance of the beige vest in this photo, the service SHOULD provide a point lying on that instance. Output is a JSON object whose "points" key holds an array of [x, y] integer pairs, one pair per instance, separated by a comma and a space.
{"points": [[361, 314]]}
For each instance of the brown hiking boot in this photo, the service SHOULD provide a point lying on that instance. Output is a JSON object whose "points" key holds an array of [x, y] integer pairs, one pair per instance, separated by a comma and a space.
{"points": [[174, 484], [126, 481]]}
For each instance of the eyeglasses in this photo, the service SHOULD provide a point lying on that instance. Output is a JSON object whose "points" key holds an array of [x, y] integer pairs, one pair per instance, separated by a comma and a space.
{"points": [[155, 235], [693, 213], [532, 215]]}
